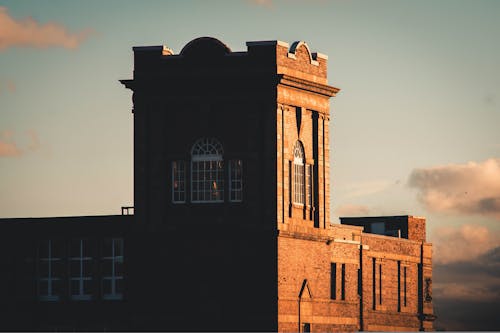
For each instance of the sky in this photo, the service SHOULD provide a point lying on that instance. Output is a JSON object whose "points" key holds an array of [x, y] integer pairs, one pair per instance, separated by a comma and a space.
{"points": [[415, 128]]}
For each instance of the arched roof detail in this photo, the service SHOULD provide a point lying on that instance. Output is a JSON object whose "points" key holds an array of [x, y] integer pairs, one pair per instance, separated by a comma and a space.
{"points": [[205, 46], [296, 45]]}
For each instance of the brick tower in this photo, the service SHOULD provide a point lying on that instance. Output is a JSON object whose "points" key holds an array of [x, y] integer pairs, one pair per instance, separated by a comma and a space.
{"points": [[231, 191]]}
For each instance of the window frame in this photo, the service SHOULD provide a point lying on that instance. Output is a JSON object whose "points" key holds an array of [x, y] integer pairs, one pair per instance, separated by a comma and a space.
{"points": [[113, 259], [83, 295], [50, 278], [179, 175], [237, 178], [299, 174], [207, 152]]}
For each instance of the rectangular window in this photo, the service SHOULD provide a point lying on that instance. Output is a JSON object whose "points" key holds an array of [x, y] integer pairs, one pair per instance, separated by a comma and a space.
{"points": [[333, 280], [309, 185], [399, 286], [178, 181], [404, 286], [380, 283], [299, 185], [236, 180], [207, 181], [342, 283], [112, 269], [306, 328], [49, 270], [374, 286], [80, 270]]}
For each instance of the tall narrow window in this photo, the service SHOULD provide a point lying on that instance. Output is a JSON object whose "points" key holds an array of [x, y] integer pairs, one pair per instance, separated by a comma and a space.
{"points": [[404, 286], [81, 270], [342, 283], [299, 175], [374, 286], [309, 185], [399, 286], [236, 180], [207, 171], [333, 280], [178, 181], [380, 283], [112, 269], [49, 271]]}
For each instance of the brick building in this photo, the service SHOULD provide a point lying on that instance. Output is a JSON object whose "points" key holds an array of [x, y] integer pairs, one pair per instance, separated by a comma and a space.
{"points": [[231, 227]]}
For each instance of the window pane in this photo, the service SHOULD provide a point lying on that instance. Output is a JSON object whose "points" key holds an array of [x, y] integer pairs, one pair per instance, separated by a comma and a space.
{"points": [[75, 268], [75, 287], [43, 288], [207, 171], [87, 285], [118, 246], [106, 286], [56, 287], [87, 268], [118, 268], [178, 181], [43, 268], [119, 286], [236, 182], [57, 267]]}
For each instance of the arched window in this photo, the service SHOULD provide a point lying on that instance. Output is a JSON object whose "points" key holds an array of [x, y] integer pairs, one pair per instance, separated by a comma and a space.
{"points": [[299, 175], [207, 171]]}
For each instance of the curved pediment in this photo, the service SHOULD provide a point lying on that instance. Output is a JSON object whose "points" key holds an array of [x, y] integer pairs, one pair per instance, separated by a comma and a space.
{"points": [[205, 47], [300, 50]]}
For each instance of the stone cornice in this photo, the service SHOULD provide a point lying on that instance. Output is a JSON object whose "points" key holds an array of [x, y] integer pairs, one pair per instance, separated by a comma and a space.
{"points": [[318, 88]]}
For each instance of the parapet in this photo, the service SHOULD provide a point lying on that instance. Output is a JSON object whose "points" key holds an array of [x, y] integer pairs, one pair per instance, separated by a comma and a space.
{"points": [[294, 60]]}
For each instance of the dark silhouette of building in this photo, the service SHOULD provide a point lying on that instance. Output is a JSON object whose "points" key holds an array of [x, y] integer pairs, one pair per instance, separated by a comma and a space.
{"points": [[231, 227]]}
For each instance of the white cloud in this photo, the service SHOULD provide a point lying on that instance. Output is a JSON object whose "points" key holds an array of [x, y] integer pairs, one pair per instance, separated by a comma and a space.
{"points": [[471, 188], [467, 242], [28, 32]]}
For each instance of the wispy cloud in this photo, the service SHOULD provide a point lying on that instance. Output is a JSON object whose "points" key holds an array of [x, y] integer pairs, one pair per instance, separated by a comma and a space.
{"points": [[471, 188], [467, 242], [28, 32], [353, 210], [10, 148], [354, 190]]}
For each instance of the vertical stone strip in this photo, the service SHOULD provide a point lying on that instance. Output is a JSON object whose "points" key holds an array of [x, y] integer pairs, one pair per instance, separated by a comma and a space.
{"points": [[326, 138]]}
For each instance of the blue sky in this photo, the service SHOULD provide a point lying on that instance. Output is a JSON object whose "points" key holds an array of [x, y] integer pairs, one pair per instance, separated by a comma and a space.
{"points": [[415, 129]]}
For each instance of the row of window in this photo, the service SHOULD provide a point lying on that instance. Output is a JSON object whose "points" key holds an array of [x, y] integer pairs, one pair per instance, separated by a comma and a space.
{"points": [[74, 267], [207, 175], [402, 299]]}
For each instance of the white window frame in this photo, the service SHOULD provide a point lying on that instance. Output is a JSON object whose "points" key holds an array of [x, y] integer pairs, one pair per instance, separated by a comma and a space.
{"points": [[81, 296], [207, 168], [179, 178], [309, 186], [299, 185], [114, 258], [236, 178], [50, 278]]}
